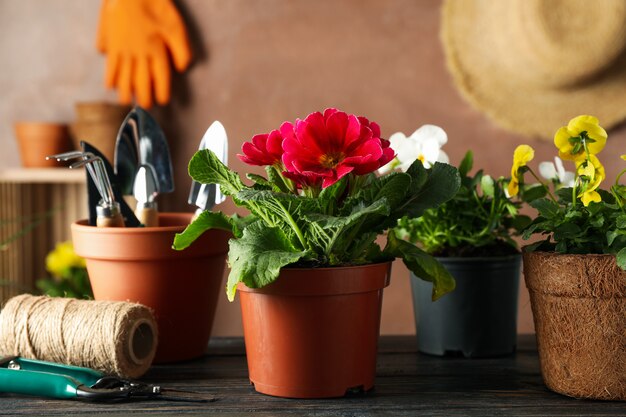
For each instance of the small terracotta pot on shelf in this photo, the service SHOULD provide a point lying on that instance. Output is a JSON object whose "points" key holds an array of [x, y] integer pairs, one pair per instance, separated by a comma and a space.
{"points": [[181, 287], [36, 140], [314, 332]]}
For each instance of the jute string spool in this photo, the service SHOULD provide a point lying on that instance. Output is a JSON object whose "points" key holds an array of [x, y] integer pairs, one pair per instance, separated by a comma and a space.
{"points": [[114, 337], [579, 309]]}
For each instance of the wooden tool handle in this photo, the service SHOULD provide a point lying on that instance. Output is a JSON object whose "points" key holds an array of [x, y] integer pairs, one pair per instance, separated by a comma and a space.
{"points": [[114, 221], [149, 217]]}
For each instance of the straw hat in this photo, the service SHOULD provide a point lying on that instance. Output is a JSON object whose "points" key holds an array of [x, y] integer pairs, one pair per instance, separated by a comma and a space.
{"points": [[532, 65]]}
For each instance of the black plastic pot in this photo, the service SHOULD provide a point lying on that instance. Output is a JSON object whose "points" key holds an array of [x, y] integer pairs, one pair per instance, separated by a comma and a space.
{"points": [[479, 318]]}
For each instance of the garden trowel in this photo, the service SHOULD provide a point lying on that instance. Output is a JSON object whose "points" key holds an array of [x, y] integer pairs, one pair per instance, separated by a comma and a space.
{"points": [[205, 196], [141, 143]]}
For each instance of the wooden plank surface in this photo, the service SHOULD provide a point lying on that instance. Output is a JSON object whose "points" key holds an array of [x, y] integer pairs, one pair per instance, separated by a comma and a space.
{"points": [[60, 175], [407, 384]]}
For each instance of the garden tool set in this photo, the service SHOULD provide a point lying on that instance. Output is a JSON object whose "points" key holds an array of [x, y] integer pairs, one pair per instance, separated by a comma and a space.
{"points": [[54, 380], [143, 169]]}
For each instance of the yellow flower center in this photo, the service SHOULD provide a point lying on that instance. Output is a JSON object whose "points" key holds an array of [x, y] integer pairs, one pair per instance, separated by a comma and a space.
{"points": [[331, 160]]}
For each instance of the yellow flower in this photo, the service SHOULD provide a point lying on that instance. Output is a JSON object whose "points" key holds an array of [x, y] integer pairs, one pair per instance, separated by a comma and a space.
{"points": [[63, 258], [582, 132], [591, 174], [522, 155], [623, 157]]}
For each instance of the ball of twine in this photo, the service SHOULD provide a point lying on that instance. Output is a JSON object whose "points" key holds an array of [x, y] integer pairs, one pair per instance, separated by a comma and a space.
{"points": [[113, 337]]}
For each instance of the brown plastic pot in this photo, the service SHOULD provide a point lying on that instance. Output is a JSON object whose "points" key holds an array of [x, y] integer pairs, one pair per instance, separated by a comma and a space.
{"points": [[579, 309], [36, 140], [314, 332], [139, 265]]}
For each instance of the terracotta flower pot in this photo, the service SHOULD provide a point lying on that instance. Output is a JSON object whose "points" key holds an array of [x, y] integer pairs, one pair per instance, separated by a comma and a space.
{"points": [[314, 332], [579, 309], [37, 140], [139, 264]]}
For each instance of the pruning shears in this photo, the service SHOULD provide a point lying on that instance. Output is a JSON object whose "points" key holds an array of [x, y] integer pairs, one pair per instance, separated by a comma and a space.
{"points": [[54, 380]]}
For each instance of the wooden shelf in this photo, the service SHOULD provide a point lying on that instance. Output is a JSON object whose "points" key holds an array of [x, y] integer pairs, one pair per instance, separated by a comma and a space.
{"points": [[60, 175]]}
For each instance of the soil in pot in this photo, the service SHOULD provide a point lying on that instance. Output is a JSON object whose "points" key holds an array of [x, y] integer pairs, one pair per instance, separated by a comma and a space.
{"points": [[314, 332]]}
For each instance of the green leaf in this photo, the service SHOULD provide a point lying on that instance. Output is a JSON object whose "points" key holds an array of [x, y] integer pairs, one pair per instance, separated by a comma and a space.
{"points": [[276, 179], [533, 192], [329, 196], [206, 168], [205, 221], [261, 183], [611, 235], [547, 208], [466, 164], [621, 258], [258, 256], [380, 207], [441, 184], [566, 230], [421, 264], [620, 222]]}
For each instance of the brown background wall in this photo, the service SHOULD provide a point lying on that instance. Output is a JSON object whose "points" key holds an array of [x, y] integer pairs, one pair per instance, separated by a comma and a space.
{"points": [[258, 63]]}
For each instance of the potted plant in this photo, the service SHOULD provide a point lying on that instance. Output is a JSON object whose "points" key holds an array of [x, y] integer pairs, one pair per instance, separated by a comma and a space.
{"points": [[575, 274], [69, 274], [470, 235], [305, 261]]}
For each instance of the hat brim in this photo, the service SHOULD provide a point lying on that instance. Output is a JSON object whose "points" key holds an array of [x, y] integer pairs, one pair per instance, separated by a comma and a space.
{"points": [[510, 101]]}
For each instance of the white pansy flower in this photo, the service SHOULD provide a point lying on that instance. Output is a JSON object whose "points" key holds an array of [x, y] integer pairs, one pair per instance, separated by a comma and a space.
{"points": [[556, 171], [424, 144]]}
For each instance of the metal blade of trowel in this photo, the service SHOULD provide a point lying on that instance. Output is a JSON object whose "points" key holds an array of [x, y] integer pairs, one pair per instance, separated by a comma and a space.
{"points": [[204, 196], [154, 151]]}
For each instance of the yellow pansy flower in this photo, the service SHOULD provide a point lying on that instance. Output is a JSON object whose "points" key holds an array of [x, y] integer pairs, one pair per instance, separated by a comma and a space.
{"points": [[522, 155], [62, 258], [593, 174], [580, 132]]}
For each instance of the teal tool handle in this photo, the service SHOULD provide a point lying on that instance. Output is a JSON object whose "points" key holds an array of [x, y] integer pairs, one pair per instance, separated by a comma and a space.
{"points": [[85, 376], [38, 383]]}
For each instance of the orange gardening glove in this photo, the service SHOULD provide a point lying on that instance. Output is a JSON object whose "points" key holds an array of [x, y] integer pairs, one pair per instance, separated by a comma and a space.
{"points": [[136, 35]]}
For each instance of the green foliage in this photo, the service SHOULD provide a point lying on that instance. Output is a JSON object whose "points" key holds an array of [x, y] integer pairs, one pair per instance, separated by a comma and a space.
{"points": [[335, 228], [73, 283], [478, 221], [570, 227]]}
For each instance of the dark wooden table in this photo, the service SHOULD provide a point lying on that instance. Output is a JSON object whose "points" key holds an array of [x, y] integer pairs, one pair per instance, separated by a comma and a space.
{"points": [[407, 384]]}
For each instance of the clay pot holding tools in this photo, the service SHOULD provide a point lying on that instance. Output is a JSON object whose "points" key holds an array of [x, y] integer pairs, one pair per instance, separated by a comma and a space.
{"points": [[181, 287], [36, 140]]}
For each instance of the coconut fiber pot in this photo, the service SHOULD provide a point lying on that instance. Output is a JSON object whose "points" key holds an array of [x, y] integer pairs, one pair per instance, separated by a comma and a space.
{"points": [[314, 332], [579, 309], [181, 287], [478, 318]]}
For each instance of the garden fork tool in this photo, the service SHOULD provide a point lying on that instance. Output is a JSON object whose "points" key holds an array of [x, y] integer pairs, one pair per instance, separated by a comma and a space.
{"points": [[108, 210], [54, 380]]}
